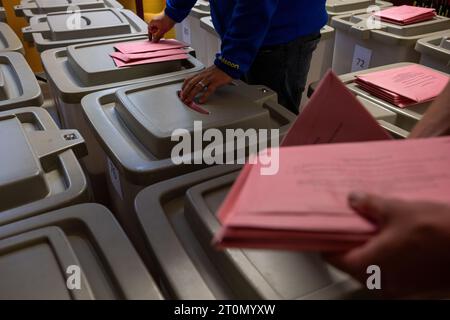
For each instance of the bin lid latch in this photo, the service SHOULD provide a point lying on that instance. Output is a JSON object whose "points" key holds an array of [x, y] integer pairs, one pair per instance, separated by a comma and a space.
{"points": [[363, 28], [46, 144]]}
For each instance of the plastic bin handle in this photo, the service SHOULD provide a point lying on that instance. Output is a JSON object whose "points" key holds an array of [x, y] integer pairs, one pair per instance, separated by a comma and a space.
{"points": [[29, 30], [48, 143], [18, 10], [396, 131]]}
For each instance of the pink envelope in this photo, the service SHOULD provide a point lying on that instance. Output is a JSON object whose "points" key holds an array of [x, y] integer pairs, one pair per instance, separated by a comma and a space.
{"points": [[120, 64], [406, 14], [148, 46], [414, 82], [148, 55], [333, 115], [304, 206]]}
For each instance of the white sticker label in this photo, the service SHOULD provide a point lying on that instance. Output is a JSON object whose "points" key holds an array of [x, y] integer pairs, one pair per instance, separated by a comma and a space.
{"points": [[186, 29], [361, 58], [114, 177]]}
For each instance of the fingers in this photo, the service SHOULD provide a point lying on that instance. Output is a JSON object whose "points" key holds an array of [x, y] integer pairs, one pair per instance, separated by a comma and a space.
{"points": [[187, 81], [375, 208], [150, 35], [194, 87], [155, 31], [198, 88], [206, 82], [158, 36], [208, 93], [189, 84], [356, 261]]}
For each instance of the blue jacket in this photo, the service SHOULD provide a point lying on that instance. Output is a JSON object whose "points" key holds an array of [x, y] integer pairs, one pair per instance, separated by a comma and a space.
{"points": [[247, 25]]}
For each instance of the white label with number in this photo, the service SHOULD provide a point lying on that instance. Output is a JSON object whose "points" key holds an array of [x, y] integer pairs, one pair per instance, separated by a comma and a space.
{"points": [[114, 177], [361, 58], [186, 29]]}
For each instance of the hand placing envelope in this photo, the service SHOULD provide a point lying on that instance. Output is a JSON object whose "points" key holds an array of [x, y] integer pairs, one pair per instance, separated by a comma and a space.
{"points": [[304, 206]]}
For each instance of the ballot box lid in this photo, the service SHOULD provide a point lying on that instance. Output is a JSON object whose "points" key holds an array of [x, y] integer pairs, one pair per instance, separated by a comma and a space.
{"points": [[9, 41], [340, 7], [30, 8], [201, 9], [39, 164], [75, 253], [362, 26], [18, 84], [437, 46], [207, 24], [327, 32], [179, 222], [150, 119], [88, 67], [61, 29]]}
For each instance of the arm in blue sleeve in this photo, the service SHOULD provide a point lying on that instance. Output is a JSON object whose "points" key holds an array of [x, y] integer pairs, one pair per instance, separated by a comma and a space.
{"points": [[249, 25], [178, 10]]}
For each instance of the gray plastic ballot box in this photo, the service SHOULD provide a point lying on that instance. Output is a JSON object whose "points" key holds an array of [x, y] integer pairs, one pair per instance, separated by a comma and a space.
{"points": [[137, 129], [178, 218], [40, 170], [75, 253]]}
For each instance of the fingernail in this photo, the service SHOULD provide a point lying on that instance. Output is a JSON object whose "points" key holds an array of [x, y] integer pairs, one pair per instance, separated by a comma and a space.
{"points": [[357, 199]]}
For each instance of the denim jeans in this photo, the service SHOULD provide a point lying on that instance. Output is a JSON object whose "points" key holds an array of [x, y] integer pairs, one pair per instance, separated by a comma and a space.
{"points": [[284, 69]]}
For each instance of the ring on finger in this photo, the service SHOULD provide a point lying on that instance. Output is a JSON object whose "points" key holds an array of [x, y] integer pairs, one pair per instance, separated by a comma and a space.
{"points": [[202, 84]]}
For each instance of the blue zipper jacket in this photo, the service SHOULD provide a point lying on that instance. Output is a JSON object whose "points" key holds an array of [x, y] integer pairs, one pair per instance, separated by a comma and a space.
{"points": [[247, 25]]}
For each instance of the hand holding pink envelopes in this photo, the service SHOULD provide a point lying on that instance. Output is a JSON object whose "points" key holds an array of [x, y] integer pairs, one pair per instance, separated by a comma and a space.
{"points": [[405, 14], [304, 206], [404, 86], [145, 52]]}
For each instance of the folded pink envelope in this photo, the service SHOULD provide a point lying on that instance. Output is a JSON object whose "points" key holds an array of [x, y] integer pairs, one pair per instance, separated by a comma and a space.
{"points": [[333, 115], [406, 14], [120, 64], [408, 84], [148, 46], [304, 206], [194, 106], [147, 55], [386, 95]]}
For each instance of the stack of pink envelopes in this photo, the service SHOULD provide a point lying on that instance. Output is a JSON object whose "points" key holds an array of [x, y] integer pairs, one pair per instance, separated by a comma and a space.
{"points": [[405, 15], [145, 52], [404, 86], [303, 205]]}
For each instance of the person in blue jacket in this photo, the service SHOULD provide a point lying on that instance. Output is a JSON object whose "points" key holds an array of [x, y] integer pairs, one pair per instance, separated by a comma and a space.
{"points": [[266, 42]]}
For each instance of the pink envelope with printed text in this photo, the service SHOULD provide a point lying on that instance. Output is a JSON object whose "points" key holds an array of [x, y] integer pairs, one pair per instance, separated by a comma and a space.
{"points": [[404, 86], [119, 63], [333, 115], [148, 46], [406, 14], [304, 206], [131, 57]]}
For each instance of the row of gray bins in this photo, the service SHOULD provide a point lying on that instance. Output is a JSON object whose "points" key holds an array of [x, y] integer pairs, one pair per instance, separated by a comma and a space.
{"points": [[150, 238]]}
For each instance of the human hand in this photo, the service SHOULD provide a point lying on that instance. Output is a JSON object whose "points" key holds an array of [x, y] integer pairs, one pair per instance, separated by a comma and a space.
{"points": [[412, 247], [159, 26], [436, 121], [206, 82]]}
